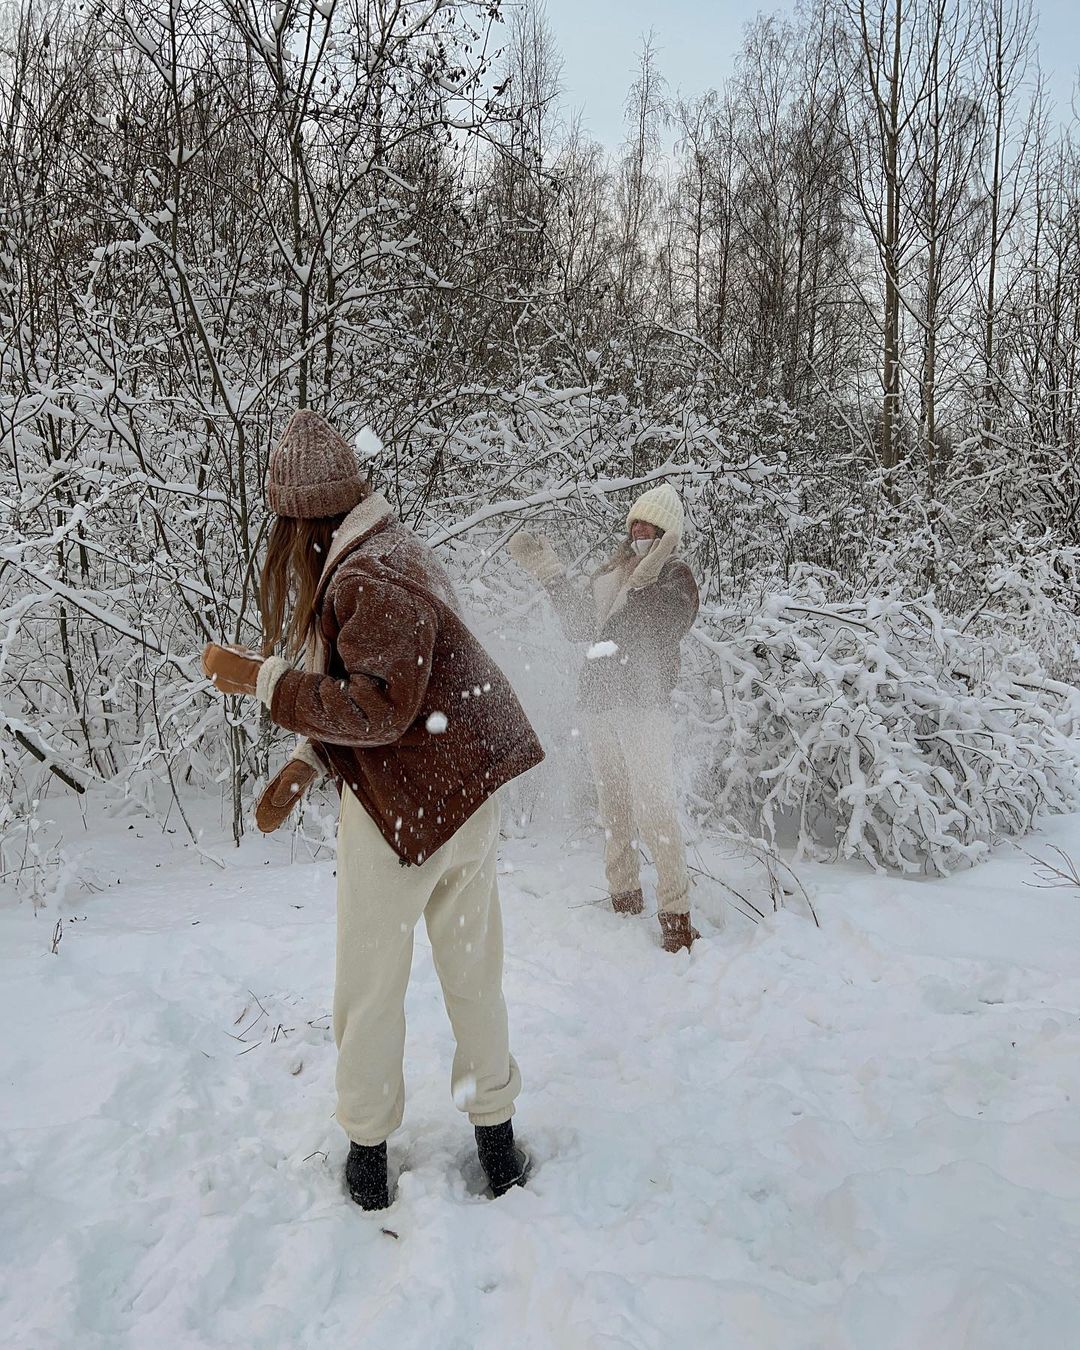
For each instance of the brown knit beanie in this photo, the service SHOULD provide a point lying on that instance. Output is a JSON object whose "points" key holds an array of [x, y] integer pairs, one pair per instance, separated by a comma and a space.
{"points": [[313, 471]]}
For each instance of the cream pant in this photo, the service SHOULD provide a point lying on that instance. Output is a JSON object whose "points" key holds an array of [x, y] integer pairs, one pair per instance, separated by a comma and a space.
{"points": [[379, 904], [633, 764]]}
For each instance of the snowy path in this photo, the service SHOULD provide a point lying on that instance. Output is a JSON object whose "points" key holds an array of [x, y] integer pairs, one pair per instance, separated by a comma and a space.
{"points": [[866, 1135]]}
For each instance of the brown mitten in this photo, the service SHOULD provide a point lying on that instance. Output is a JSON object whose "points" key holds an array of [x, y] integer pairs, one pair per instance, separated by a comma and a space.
{"points": [[234, 670], [282, 793]]}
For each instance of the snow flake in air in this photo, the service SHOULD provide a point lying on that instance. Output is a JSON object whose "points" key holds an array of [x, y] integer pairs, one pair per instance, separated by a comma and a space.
{"points": [[368, 445]]}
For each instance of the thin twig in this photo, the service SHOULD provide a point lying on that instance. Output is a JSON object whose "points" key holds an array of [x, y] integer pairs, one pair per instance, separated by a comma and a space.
{"points": [[1054, 877]]}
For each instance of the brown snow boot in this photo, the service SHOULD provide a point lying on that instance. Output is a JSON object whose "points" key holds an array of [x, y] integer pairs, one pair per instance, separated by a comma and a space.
{"points": [[677, 932], [628, 902]]}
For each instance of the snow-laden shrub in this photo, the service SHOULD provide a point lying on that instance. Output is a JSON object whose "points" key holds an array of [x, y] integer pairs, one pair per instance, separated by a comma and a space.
{"points": [[30, 857], [876, 729], [1035, 596]]}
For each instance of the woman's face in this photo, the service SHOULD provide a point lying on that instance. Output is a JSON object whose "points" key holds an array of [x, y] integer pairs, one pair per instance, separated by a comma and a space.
{"points": [[641, 529]]}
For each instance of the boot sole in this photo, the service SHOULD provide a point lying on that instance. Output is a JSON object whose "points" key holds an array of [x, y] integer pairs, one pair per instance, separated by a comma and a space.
{"points": [[520, 1180], [477, 1184], [369, 1209]]}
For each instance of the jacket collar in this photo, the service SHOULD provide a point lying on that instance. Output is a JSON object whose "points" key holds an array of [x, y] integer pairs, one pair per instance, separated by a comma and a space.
{"points": [[372, 514], [612, 597], [362, 521]]}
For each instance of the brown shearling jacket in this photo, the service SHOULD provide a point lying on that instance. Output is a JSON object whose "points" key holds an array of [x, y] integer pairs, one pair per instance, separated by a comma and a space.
{"points": [[411, 714]]}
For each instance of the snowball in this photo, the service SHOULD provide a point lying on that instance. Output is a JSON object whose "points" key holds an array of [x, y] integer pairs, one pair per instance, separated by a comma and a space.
{"points": [[601, 649], [464, 1092]]}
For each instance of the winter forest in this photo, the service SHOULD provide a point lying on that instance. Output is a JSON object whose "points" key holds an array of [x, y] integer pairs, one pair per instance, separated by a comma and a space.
{"points": [[835, 303], [838, 302]]}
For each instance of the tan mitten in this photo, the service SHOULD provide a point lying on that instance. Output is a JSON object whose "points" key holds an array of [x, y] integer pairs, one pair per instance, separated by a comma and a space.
{"points": [[234, 670], [282, 793], [535, 555]]}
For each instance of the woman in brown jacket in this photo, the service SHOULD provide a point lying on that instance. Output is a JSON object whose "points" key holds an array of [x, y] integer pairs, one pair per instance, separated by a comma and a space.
{"points": [[640, 606], [419, 728]]}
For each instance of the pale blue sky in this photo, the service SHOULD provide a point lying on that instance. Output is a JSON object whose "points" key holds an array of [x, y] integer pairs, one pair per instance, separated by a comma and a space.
{"points": [[697, 40]]}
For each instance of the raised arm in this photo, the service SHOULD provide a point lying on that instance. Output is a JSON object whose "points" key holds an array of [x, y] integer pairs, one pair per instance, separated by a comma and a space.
{"points": [[570, 602], [574, 607]]}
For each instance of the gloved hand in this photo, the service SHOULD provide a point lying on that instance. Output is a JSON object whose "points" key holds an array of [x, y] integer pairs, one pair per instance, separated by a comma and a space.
{"points": [[535, 555], [234, 670], [282, 793]]}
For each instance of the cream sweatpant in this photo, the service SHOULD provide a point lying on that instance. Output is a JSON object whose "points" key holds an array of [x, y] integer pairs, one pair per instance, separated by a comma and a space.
{"points": [[378, 906], [633, 764]]}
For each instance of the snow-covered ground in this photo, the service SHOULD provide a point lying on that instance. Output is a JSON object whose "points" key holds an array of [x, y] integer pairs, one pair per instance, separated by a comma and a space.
{"points": [[860, 1135]]}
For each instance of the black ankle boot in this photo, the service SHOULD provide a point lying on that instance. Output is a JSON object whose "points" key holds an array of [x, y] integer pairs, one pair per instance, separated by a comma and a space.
{"points": [[365, 1176], [505, 1164]]}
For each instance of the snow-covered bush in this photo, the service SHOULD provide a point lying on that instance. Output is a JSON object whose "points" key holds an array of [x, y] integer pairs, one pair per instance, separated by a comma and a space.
{"points": [[1034, 595], [876, 729]]}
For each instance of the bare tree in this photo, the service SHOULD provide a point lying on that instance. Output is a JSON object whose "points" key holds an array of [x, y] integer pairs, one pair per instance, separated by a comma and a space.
{"points": [[1006, 35], [637, 187], [942, 203], [875, 52]]}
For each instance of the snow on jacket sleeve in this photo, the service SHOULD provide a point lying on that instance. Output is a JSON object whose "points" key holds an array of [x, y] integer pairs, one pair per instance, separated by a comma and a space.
{"points": [[574, 608], [385, 638]]}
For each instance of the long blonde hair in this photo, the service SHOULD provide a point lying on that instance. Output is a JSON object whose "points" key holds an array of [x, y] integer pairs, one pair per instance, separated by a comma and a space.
{"points": [[295, 556]]}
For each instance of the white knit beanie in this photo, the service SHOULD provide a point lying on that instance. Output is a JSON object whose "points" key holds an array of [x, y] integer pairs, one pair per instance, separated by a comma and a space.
{"points": [[660, 506]]}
